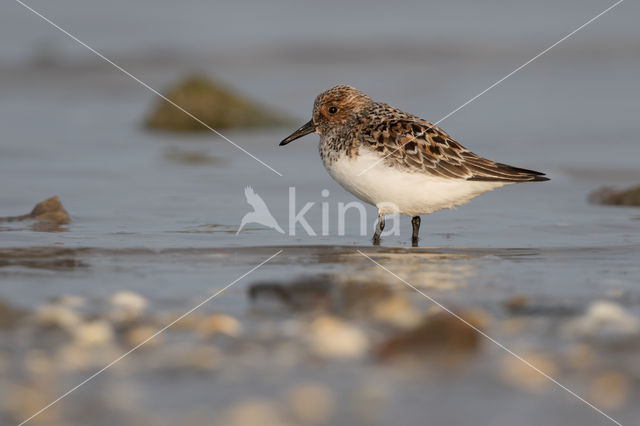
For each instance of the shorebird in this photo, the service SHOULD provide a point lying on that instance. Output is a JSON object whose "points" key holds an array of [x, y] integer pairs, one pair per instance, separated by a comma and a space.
{"points": [[398, 162]]}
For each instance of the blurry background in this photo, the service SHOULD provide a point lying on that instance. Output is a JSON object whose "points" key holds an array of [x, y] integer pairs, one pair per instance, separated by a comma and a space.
{"points": [[156, 212]]}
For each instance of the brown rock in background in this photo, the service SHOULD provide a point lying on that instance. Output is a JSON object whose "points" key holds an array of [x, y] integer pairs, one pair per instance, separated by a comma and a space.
{"points": [[612, 197], [50, 210], [214, 104]]}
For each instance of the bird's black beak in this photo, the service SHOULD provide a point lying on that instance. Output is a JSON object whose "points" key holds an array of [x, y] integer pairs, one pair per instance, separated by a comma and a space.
{"points": [[304, 130]]}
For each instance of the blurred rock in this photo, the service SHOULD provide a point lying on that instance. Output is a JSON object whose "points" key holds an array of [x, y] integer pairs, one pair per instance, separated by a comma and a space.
{"points": [[612, 197], [219, 324], [610, 390], [48, 214], [516, 303], [57, 316], [439, 334], [310, 403], [522, 376], [187, 357], [331, 337], [522, 305], [21, 401], [95, 332], [217, 106], [605, 320], [50, 210], [139, 334], [349, 298], [397, 311], [127, 306], [304, 294]]}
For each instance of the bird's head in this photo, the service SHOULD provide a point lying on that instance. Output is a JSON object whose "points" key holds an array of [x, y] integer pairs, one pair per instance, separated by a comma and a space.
{"points": [[333, 108]]}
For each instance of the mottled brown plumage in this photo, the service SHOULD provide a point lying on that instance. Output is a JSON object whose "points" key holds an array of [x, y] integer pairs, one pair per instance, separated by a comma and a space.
{"points": [[402, 140]]}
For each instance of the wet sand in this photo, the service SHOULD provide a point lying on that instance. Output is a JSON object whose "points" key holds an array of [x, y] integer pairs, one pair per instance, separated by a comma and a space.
{"points": [[321, 331]]}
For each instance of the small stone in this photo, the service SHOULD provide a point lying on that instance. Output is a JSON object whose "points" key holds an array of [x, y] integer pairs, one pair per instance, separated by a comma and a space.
{"points": [[196, 357], [128, 306], [516, 303], [524, 377], [58, 316], [440, 334], [219, 324], [139, 334], [22, 400], [605, 319], [397, 311], [93, 333], [610, 390], [331, 337], [610, 196], [190, 322], [311, 403], [48, 211]]}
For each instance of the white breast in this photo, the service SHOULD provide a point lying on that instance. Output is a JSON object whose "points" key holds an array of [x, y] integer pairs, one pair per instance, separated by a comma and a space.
{"points": [[408, 193]]}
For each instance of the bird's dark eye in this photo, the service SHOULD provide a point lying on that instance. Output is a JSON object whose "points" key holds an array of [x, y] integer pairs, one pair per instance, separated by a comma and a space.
{"points": [[333, 110]]}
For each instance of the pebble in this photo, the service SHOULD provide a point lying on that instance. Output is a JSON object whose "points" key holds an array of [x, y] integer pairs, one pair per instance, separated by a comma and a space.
{"points": [[605, 319], [522, 376], [196, 357], [610, 390], [397, 311], [52, 315], [22, 400], [93, 333], [219, 324], [437, 334], [140, 333], [331, 337], [127, 306]]}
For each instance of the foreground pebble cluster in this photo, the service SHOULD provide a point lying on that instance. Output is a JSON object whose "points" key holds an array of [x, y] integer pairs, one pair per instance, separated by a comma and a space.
{"points": [[312, 324]]}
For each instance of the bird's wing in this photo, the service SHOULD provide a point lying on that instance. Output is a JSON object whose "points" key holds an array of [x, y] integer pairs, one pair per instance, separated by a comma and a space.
{"points": [[255, 200], [420, 146]]}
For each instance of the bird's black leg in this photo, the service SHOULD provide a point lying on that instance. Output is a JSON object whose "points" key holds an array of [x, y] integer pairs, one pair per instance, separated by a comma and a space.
{"points": [[379, 229], [415, 223]]}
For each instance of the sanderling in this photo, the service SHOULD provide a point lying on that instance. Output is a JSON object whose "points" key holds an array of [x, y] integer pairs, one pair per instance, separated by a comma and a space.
{"points": [[398, 162]]}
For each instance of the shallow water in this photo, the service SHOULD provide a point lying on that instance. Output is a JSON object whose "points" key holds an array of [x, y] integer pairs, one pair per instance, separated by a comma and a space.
{"points": [[147, 219]]}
